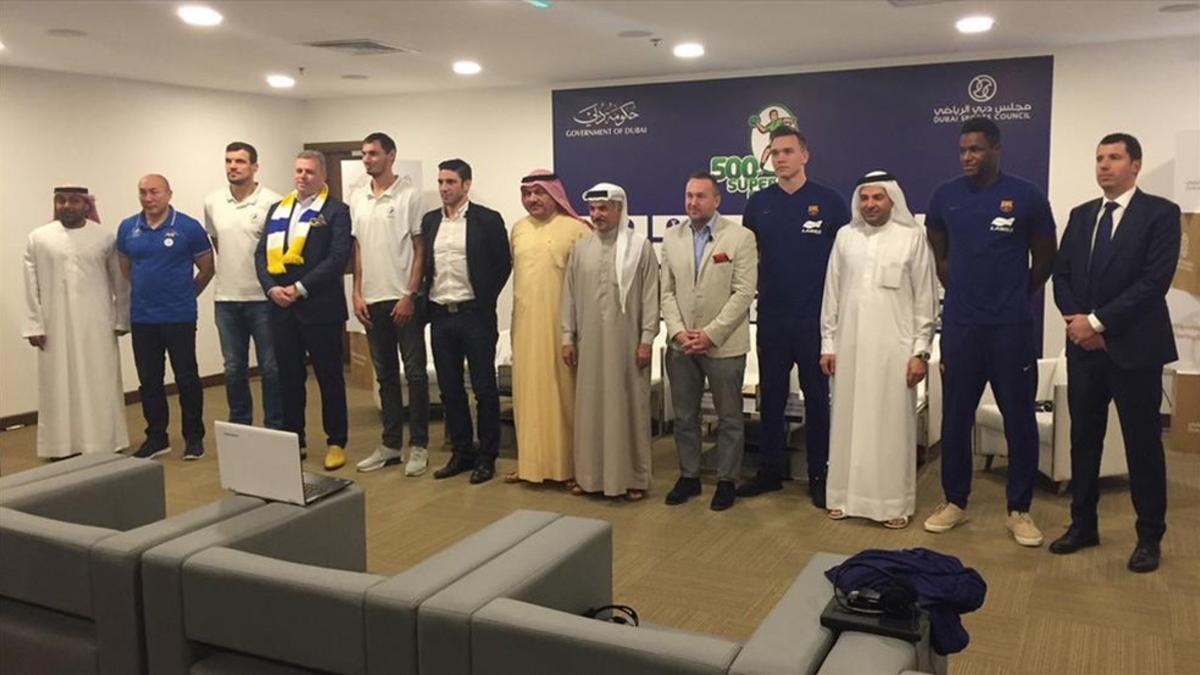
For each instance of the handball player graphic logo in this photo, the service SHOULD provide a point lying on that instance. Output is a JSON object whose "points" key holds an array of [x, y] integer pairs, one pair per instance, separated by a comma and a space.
{"points": [[762, 124], [982, 88]]}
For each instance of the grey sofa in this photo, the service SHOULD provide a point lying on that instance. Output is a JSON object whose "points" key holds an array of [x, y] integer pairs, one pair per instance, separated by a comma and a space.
{"points": [[71, 542], [530, 633], [252, 606]]}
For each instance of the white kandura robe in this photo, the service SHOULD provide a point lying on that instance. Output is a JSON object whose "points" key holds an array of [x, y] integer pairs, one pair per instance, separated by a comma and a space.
{"points": [[76, 295], [877, 313], [612, 395]]}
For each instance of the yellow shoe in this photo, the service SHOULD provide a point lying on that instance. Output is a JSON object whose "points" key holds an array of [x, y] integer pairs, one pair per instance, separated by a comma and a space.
{"points": [[335, 458]]}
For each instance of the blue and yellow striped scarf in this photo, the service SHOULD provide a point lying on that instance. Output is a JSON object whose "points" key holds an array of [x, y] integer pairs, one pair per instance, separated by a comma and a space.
{"points": [[277, 230]]}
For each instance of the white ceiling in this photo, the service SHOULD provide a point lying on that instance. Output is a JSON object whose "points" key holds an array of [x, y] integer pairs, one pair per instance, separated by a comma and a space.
{"points": [[575, 41]]}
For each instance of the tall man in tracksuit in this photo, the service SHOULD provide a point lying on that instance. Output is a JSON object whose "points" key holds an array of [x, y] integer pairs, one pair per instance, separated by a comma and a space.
{"points": [[984, 227], [795, 222]]}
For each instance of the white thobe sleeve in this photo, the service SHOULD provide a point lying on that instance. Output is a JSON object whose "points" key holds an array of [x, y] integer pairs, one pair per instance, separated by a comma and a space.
{"points": [[924, 296], [648, 269], [569, 324], [829, 301], [120, 291], [33, 324]]}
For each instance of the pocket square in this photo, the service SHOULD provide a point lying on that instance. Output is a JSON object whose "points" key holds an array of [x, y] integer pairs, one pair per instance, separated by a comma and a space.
{"points": [[720, 258], [319, 221]]}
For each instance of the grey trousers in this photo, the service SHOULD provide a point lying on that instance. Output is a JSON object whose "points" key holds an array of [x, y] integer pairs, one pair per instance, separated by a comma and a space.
{"points": [[383, 337], [724, 376]]}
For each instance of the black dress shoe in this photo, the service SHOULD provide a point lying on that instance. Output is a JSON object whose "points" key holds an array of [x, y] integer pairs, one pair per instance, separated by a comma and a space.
{"points": [[816, 491], [762, 483], [1073, 540], [1145, 558], [685, 488], [484, 471], [152, 448], [724, 497], [454, 467]]}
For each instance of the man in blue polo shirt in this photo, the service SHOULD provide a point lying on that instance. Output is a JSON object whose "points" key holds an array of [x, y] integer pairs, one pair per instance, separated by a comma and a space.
{"points": [[795, 222], [159, 247], [984, 227]]}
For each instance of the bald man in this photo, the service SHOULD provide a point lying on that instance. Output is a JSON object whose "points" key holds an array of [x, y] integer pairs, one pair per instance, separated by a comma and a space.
{"points": [[159, 249]]}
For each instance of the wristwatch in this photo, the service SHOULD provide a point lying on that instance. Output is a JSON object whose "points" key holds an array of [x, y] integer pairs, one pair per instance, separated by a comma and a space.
{"points": [[924, 356]]}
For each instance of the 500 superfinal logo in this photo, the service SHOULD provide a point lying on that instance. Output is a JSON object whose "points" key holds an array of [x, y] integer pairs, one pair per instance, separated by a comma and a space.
{"points": [[748, 173]]}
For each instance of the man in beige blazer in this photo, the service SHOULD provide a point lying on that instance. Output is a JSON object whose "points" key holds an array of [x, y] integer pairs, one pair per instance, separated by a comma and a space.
{"points": [[709, 274]]}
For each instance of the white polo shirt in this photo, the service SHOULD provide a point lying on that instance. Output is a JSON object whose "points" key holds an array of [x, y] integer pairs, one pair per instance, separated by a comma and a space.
{"points": [[237, 227], [384, 227]]}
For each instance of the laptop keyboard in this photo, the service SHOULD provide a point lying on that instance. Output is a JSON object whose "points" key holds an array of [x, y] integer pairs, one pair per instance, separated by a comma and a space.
{"points": [[317, 486]]}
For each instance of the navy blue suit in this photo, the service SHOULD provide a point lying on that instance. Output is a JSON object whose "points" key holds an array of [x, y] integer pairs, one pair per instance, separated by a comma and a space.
{"points": [[1127, 293], [313, 325]]}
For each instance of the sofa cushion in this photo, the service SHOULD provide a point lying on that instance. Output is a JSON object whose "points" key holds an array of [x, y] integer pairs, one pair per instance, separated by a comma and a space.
{"points": [[38, 640]]}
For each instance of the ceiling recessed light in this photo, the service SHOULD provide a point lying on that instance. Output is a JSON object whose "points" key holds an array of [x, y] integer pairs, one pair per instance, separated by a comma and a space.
{"points": [[354, 76], [974, 24], [199, 15], [1, 46], [65, 32], [1180, 7], [281, 81], [467, 68], [689, 50]]}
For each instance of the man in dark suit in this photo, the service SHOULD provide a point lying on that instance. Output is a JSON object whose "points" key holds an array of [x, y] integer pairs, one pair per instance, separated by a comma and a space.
{"points": [[467, 263], [300, 262], [1114, 267]]}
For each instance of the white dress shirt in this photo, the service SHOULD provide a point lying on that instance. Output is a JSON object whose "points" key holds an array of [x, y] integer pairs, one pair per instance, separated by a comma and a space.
{"points": [[1119, 212], [451, 278], [298, 210]]}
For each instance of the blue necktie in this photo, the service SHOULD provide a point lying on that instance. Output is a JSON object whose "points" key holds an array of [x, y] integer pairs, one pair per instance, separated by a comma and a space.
{"points": [[1100, 248]]}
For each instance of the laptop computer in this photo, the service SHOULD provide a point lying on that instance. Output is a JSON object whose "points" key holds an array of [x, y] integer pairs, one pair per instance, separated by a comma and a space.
{"points": [[265, 463]]}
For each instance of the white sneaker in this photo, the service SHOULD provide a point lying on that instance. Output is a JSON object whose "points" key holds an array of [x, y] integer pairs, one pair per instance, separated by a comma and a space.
{"points": [[383, 456], [945, 518], [418, 461], [1023, 529]]}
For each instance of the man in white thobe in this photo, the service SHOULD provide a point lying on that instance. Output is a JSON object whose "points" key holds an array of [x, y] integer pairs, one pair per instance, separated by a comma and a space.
{"points": [[77, 304], [609, 320], [876, 327]]}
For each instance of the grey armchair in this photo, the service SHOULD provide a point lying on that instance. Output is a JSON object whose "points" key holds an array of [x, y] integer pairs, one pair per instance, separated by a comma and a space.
{"points": [[537, 629], [57, 468], [70, 553], [251, 606]]}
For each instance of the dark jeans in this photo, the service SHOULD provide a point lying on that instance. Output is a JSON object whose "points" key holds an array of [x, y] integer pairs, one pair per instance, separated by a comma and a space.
{"points": [[469, 334], [1004, 355], [782, 344], [1092, 381], [322, 342], [237, 322], [384, 337], [152, 343]]}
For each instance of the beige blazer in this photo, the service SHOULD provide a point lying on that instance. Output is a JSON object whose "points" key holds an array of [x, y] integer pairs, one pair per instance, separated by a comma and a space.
{"points": [[717, 300]]}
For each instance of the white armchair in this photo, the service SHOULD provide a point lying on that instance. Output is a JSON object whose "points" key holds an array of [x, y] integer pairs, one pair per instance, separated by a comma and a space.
{"points": [[1054, 429]]}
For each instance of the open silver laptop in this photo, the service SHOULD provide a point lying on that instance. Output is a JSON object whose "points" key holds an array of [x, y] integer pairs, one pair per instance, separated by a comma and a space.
{"points": [[265, 463]]}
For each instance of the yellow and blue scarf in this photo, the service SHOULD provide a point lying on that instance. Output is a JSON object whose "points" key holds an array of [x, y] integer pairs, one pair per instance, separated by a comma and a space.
{"points": [[277, 230]]}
